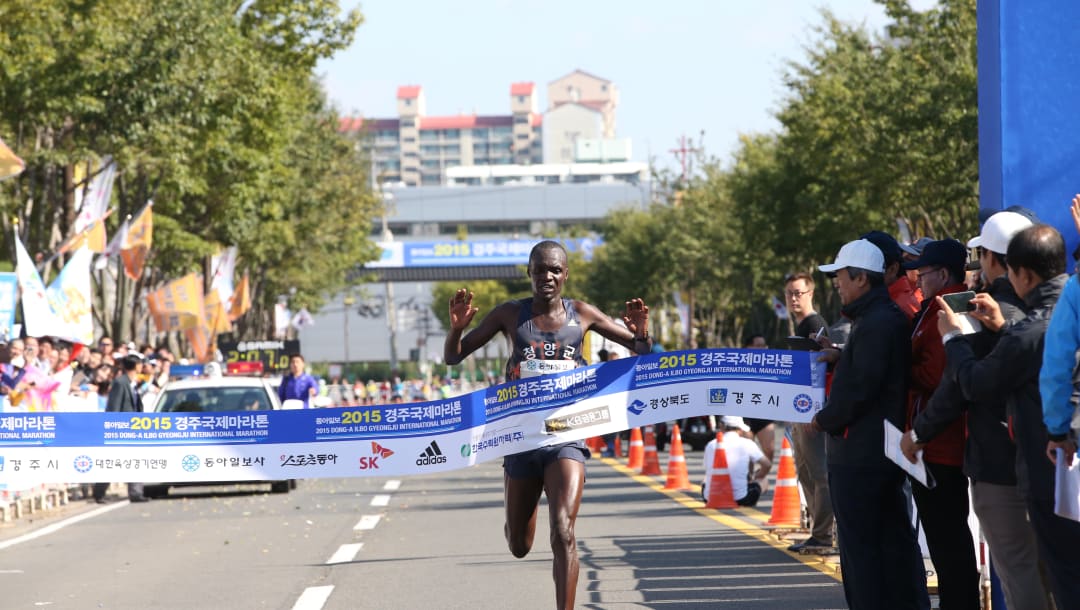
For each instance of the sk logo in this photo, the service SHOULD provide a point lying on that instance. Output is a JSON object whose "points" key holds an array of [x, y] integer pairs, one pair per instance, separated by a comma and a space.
{"points": [[636, 407], [380, 451]]}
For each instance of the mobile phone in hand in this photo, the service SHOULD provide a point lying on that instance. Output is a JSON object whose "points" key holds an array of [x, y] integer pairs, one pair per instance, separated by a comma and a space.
{"points": [[960, 302]]}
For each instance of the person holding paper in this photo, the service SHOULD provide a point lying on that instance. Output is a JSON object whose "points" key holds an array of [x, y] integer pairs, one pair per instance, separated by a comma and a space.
{"points": [[989, 452], [545, 334], [943, 510], [1036, 263], [879, 554]]}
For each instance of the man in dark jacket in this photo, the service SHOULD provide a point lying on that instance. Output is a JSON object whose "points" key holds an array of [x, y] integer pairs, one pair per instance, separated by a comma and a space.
{"points": [[1036, 263], [989, 453], [124, 398], [879, 555]]}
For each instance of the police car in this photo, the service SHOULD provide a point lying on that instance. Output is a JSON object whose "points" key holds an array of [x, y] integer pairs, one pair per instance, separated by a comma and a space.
{"points": [[211, 394]]}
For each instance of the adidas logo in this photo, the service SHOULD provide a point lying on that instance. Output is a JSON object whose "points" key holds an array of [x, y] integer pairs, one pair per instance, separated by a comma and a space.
{"points": [[431, 455], [380, 451]]}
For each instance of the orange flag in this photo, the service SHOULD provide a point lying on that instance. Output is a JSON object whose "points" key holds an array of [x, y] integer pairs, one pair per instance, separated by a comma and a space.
{"points": [[202, 344], [241, 300], [137, 243], [10, 164], [216, 319], [178, 305]]}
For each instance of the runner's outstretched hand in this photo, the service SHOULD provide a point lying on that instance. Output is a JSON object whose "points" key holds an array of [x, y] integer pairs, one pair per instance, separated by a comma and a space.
{"points": [[461, 309], [636, 318]]}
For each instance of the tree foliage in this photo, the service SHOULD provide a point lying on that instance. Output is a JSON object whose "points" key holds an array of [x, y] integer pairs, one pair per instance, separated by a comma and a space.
{"points": [[878, 130], [209, 107]]}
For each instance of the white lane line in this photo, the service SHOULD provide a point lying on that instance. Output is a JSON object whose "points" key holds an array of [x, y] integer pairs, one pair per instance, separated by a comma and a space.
{"points": [[345, 553], [313, 598], [380, 500], [55, 527], [367, 522], [392, 485]]}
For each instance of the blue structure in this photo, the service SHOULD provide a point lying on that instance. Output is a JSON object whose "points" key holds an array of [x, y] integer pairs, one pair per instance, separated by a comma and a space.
{"points": [[1029, 108]]}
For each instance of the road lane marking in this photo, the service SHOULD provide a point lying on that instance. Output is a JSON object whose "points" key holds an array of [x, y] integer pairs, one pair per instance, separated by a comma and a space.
{"points": [[367, 522], [380, 500], [735, 523], [392, 485], [55, 527], [313, 598], [345, 553]]}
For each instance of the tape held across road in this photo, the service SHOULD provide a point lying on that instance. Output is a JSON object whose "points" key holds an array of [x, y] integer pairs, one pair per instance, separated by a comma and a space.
{"points": [[409, 438]]}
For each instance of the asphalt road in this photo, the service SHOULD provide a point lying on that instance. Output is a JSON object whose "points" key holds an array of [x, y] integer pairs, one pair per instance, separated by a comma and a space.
{"points": [[426, 542]]}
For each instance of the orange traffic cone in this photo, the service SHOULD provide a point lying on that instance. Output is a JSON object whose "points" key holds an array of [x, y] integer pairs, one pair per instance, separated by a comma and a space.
{"points": [[636, 457], [651, 461], [677, 476], [720, 492], [618, 445], [595, 444], [786, 510]]}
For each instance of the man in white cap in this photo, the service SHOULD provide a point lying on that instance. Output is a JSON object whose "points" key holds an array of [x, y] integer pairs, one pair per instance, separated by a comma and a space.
{"points": [[879, 554], [989, 453], [741, 452]]}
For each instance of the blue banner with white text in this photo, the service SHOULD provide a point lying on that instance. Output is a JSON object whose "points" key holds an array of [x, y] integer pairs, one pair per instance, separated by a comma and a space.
{"points": [[409, 438]]}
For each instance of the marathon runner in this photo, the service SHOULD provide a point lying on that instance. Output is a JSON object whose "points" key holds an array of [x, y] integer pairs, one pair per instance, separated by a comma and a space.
{"points": [[545, 333]]}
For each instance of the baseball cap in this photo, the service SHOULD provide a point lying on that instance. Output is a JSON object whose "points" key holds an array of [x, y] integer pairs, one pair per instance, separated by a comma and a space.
{"points": [[947, 253], [999, 230], [860, 254], [986, 213], [888, 245], [734, 421], [916, 248]]}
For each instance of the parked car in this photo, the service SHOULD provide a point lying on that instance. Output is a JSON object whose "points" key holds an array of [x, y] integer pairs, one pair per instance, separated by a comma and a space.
{"points": [[211, 395]]}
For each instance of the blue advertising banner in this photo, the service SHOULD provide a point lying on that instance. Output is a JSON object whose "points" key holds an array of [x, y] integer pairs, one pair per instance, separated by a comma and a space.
{"points": [[469, 252], [409, 438], [9, 284]]}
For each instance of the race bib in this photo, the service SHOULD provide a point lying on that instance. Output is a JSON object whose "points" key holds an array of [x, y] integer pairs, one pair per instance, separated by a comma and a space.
{"points": [[535, 368]]}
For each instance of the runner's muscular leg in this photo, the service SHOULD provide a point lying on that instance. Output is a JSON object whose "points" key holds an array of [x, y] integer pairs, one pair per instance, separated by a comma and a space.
{"points": [[564, 480], [521, 498]]}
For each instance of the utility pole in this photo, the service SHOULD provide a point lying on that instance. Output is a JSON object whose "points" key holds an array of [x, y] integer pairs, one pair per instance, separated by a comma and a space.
{"points": [[387, 236], [685, 154]]}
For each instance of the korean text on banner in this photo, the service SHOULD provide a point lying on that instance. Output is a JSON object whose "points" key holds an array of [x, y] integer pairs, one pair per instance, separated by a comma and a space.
{"points": [[178, 305], [416, 438]]}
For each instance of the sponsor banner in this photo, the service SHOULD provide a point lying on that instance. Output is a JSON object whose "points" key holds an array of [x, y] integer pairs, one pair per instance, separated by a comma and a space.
{"points": [[469, 252], [410, 438]]}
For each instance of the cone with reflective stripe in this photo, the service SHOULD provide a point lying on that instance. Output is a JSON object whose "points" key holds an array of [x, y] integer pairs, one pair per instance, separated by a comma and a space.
{"points": [[720, 493], [651, 462], [677, 475], [636, 458], [786, 511]]}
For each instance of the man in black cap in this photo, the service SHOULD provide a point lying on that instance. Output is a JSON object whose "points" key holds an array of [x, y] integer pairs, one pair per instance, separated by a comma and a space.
{"points": [[944, 509], [901, 291]]}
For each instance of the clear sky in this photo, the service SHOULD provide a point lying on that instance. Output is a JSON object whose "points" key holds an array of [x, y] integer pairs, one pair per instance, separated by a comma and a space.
{"points": [[681, 66]]}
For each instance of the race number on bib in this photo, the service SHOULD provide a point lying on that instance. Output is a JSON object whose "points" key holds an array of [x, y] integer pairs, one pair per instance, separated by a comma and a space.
{"points": [[535, 368]]}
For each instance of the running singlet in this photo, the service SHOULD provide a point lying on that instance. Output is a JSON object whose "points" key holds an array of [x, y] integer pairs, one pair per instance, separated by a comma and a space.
{"points": [[537, 352]]}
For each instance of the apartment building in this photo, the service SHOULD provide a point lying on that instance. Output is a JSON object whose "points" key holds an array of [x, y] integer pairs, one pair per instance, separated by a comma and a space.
{"points": [[415, 149]]}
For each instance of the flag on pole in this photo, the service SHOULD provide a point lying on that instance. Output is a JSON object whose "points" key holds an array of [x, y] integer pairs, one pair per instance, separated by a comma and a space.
{"points": [[779, 308], [241, 300], [38, 318], [178, 305], [114, 247], [203, 338], [70, 300], [93, 200], [216, 318], [222, 266], [10, 164], [282, 315], [136, 244], [302, 318]]}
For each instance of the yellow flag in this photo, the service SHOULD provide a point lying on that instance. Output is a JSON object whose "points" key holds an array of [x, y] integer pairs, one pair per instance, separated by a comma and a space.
{"points": [[216, 318], [241, 300], [93, 237], [137, 243], [202, 344], [10, 164], [178, 305]]}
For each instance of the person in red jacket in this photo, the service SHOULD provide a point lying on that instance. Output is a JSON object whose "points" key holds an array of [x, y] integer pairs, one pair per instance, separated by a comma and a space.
{"points": [[901, 291], [943, 510]]}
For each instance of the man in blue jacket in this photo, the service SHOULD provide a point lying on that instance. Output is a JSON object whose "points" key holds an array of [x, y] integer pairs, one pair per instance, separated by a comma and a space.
{"points": [[298, 384]]}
